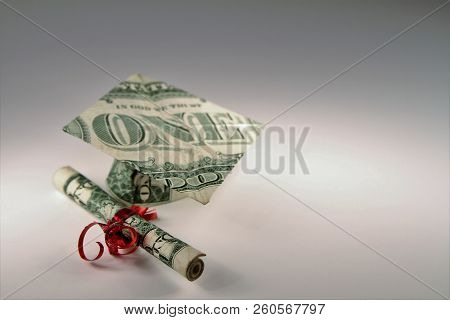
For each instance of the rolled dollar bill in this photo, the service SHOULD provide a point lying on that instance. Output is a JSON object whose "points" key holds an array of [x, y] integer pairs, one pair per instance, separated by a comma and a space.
{"points": [[173, 252]]}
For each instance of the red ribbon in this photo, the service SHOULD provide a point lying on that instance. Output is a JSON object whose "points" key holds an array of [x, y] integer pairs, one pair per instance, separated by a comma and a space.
{"points": [[119, 238]]}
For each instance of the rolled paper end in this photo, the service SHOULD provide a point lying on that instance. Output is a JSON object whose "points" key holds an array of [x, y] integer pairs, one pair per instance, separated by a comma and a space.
{"points": [[187, 262], [195, 269], [61, 176]]}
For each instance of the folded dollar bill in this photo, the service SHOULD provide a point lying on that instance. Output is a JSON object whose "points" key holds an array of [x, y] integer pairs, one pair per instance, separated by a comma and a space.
{"points": [[167, 143]]}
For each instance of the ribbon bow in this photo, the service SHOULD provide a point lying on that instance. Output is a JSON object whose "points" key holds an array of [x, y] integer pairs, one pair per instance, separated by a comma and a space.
{"points": [[119, 238]]}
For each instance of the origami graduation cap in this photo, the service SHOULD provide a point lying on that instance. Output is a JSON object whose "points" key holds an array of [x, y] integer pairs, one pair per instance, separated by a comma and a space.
{"points": [[167, 143]]}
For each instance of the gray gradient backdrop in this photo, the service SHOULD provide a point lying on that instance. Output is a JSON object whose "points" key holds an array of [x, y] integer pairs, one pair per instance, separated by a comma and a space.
{"points": [[378, 150]]}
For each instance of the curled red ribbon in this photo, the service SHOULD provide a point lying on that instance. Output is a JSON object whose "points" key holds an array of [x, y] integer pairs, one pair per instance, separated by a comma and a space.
{"points": [[119, 238]]}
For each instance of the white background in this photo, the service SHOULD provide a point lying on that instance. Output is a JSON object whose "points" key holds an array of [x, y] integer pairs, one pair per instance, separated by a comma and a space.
{"points": [[377, 151], [332, 310]]}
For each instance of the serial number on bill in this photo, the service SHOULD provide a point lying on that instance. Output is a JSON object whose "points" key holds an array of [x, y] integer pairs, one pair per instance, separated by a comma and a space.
{"points": [[288, 308]]}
